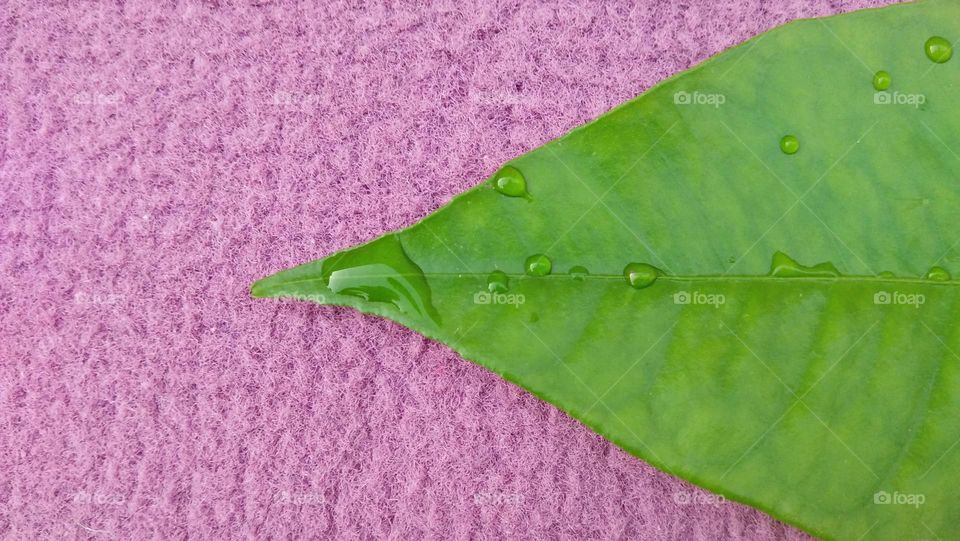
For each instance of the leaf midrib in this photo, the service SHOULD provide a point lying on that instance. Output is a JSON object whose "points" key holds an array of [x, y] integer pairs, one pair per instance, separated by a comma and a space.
{"points": [[669, 278]]}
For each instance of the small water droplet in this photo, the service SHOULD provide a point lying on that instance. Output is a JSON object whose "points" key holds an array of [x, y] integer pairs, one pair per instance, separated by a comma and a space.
{"points": [[785, 266], [510, 182], [882, 80], [886, 274], [789, 144], [731, 260], [498, 282], [640, 275], [579, 273], [538, 265], [938, 274], [938, 49]]}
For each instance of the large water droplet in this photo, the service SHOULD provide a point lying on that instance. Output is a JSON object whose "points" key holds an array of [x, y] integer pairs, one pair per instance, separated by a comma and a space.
{"points": [[882, 80], [509, 181], [789, 144], [380, 271], [938, 274], [785, 266], [498, 282], [938, 49], [538, 265], [640, 275], [579, 273]]}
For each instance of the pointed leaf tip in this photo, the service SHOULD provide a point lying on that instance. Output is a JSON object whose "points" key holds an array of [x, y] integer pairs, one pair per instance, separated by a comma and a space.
{"points": [[378, 275]]}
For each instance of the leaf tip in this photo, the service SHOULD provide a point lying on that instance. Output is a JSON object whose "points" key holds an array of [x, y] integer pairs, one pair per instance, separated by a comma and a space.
{"points": [[259, 289]]}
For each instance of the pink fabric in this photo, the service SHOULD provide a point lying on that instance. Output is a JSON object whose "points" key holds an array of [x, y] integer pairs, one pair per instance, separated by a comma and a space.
{"points": [[157, 157]]}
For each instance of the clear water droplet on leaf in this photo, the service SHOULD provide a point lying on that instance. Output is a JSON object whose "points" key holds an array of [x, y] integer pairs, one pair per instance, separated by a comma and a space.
{"points": [[784, 266], [498, 282], [882, 80], [640, 275], [789, 144], [938, 49], [938, 274], [579, 273], [381, 271], [510, 182], [538, 265]]}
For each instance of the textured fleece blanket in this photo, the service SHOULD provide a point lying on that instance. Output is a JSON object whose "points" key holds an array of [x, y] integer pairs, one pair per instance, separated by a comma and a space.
{"points": [[158, 156]]}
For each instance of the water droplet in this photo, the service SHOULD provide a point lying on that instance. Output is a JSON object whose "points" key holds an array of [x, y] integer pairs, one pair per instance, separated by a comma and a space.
{"points": [[789, 144], [882, 80], [538, 265], [640, 275], [510, 182], [785, 266], [380, 271], [579, 273], [938, 49], [886, 274], [731, 260], [938, 274], [498, 282]]}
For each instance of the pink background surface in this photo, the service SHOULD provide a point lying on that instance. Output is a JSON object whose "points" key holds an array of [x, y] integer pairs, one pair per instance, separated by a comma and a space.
{"points": [[157, 157]]}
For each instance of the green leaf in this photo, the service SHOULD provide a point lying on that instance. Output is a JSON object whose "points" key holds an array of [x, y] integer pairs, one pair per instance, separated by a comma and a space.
{"points": [[769, 317]]}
